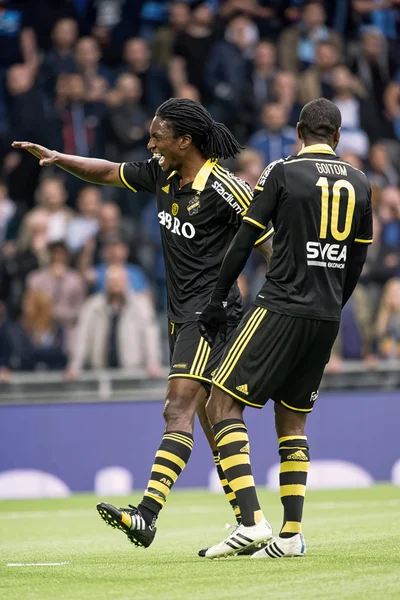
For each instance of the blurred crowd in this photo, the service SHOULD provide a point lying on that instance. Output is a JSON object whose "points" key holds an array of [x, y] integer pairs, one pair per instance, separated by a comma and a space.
{"points": [[82, 280]]}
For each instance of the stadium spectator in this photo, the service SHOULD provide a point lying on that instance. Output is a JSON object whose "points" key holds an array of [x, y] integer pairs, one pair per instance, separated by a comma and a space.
{"points": [[129, 121], [35, 341], [51, 197], [165, 37], [60, 58], [381, 173], [138, 61], [188, 91], [19, 262], [7, 212], [111, 225], [316, 81], [81, 123], [87, 61], [249, 165], [392, 103], [358, 120], [28, 113], [285, 91], [192, 49], [86, 224], [64, 286], [388, 321], [110, 22], [258, 89], [117, 329], [298, 43], [371, 65], [116, 252], [227, 65], [381, 14], [276, 139]]}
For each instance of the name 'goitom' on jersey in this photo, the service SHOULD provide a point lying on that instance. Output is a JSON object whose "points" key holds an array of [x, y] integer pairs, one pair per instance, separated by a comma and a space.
{"points": [[198, 223], [319, 206]]}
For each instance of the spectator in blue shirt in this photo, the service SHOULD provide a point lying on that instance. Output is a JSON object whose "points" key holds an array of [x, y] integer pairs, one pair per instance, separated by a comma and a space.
{"points": [[276, 140], [116, 252]]}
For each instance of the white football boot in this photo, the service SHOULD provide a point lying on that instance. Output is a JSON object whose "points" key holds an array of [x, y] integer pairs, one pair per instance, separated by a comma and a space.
{"points": [[283, 547], [242, 537]]}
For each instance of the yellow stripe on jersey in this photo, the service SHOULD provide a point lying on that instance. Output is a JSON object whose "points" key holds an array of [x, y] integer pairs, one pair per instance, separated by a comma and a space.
{"points": [[264, 237], [254, 222], [244, 191], [244, 203], [361, 241], [122, 177]]}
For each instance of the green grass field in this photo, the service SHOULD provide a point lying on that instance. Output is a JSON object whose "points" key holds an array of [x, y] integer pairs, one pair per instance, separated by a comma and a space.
{"points": [[353, 551]]}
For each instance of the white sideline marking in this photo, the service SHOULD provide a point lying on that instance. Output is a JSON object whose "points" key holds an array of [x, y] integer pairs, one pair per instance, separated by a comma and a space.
{"points": [[84, 512], [195, 509], [37, 564]]}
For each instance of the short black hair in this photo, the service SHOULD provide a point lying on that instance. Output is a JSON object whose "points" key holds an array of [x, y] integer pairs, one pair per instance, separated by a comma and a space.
{"points": [[319, 119], [189, 117]]}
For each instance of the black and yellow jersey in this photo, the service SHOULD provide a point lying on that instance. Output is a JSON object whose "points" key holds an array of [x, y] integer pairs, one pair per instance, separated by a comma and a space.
{"points": [[319, 206], [198, 223]]}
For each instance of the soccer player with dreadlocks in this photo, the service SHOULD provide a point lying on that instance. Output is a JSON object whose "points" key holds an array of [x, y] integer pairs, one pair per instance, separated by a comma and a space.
{"points": [[200, 209]]}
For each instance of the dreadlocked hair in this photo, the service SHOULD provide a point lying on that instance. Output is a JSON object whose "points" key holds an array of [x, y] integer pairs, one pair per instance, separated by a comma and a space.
{"points": [[188, 117]]}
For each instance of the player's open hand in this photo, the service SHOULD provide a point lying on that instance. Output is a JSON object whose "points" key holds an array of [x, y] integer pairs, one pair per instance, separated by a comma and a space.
{"points": [[213, 321], [46, 157]]}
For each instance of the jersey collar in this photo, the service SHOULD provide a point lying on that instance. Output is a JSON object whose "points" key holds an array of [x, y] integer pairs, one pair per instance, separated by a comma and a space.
{"points": [[317, 149], [200, 180]]}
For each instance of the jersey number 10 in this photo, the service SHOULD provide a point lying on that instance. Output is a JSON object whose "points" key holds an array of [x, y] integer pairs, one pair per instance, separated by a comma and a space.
{"points": [[351, 202]]}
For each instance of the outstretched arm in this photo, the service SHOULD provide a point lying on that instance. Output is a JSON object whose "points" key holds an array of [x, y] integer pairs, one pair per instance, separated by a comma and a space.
{"points": [[93, 170]]}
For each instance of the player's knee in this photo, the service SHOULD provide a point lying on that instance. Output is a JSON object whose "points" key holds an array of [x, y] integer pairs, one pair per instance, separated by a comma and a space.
{"points": [[179, 411]]}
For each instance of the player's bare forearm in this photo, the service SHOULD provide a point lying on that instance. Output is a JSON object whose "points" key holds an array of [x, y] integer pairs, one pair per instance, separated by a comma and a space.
{"points": [[266, 250], [358, 255], [92, 170], [234, 261]]}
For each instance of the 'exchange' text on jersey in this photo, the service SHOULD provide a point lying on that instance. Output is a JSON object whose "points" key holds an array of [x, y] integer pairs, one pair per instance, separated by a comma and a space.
{"points": [[320, 206], [198, 223]]}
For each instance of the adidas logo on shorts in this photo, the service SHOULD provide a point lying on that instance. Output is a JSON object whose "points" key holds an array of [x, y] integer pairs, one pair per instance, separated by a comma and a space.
{"points": [[243, 388], [299, 455]]}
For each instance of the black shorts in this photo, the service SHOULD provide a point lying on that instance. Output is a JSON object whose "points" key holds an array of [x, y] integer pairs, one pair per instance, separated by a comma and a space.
{"points": [[278, 357], [190, 355]]}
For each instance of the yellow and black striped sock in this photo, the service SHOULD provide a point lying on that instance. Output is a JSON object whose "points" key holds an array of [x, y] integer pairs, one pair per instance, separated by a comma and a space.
{"points": [[234, 452], [170, 460], [231, 496], [295, 460]]}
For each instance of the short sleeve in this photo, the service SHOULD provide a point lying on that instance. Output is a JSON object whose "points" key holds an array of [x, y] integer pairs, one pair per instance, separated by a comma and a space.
{"points": [[364, 233], [140, 175], [266, 195]]}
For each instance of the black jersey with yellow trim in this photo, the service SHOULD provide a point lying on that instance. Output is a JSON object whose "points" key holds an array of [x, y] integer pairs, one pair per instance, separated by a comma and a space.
{"points": [[319, 206], [198, 221]]}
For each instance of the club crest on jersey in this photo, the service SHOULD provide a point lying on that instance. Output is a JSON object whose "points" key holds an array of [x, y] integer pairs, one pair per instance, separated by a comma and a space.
{"points": [[175, 209], [193, 206]]}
